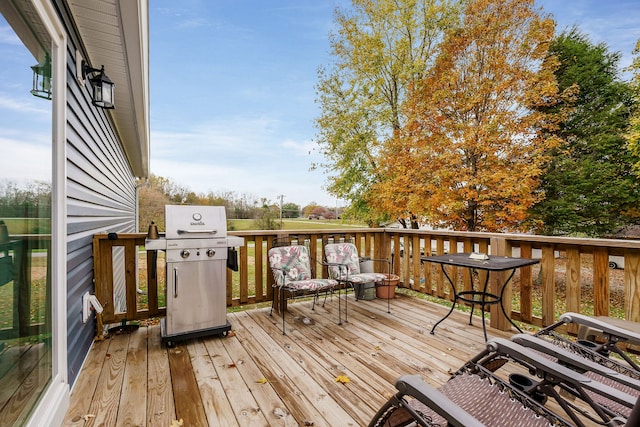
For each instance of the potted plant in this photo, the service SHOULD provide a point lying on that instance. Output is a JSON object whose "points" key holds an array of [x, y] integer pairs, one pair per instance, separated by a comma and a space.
{"points": [[388, 287]]}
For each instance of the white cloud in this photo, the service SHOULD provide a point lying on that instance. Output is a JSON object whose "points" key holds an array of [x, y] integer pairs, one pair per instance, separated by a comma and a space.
{"points": [[299, 148], [33, 161], [7, 36], [239, 154], [20, 106], [193, 23]]}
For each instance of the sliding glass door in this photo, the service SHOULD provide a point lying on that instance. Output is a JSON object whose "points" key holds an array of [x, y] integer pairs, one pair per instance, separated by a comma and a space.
{"points": [[26, 356]]}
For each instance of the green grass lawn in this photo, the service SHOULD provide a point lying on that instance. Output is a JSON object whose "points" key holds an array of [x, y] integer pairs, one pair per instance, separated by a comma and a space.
{"points": [[295, 224]]}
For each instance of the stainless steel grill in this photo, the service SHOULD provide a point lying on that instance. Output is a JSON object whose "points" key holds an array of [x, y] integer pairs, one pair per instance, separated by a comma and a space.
{"points": [[196, 245]]}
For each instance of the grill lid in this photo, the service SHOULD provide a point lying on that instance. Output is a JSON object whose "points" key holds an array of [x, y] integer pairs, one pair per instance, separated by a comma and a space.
{"points": [[195, 222]]}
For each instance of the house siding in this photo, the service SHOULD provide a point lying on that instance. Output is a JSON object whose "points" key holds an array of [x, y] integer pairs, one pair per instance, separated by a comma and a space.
{"points": [[101, 197]]}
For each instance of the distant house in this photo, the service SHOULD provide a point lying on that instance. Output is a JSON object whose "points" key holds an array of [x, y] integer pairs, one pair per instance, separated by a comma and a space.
{"points": [[95, 156]]}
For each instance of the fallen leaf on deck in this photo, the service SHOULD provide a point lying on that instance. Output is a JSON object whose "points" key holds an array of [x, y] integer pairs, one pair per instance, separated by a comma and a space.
{"points": [[88, 416], [262, 380], [231, 334], [308, 423], [231, 365], [176, 423], [378, 348], [342, 379]]}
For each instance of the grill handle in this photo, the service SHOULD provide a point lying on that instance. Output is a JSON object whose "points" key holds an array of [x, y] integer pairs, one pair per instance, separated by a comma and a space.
{"points": [[197, 231], [175, 283]]}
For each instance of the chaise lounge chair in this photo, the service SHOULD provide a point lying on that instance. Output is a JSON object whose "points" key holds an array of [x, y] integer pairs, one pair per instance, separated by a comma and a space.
{"points": [[489, 390], [599, 352]]}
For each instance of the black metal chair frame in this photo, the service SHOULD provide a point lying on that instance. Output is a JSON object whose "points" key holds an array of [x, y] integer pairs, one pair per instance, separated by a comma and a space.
{"points": [[555, 382]]}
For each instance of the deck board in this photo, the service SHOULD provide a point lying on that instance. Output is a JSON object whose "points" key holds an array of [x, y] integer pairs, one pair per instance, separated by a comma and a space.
{"points": [[186, 395], [106, 398], [133, 400], [214, 398], [161, 408], [238, 391], [257, 376], [85, 386]]}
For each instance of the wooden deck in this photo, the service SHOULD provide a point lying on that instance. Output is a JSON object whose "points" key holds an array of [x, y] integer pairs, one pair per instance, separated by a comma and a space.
{"points": [[258, 377]]}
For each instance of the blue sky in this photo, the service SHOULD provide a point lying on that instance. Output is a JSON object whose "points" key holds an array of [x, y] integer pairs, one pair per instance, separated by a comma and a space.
{"points": [[237, 113], [232, 89], [236, 110]]}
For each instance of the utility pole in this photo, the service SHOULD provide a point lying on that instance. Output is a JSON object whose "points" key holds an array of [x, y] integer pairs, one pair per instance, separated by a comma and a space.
{"points": [[281, 200]]}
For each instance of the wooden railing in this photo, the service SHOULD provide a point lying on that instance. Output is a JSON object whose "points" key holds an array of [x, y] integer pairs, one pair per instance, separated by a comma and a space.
{"points": [[577, 261], [107, 274]]}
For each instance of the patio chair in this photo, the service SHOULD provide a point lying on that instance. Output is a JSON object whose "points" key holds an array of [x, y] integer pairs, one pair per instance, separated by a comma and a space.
{"points": [[494, 389], [598, 351], [292, 274], [344, 266]]}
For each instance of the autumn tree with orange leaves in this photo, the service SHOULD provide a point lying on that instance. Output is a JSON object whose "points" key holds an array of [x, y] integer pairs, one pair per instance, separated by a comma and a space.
{"points": [[471, 154]]}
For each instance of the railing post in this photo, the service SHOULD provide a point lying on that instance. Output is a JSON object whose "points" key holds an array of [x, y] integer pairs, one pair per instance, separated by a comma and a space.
{"points": [[439, 273], [130, 277], [500, 247], [152, 281], [548, 266], [259, 266], [632, 285], [601, 292], [526, 285], [244, 275], [573, 284]]}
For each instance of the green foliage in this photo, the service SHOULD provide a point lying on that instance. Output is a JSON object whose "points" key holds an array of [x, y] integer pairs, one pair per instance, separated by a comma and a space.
{"points": [[267, 218], [633, 133], [29, 200], [589, 186], [290, 210], [294, 224], [380, 47], [469, 157]]}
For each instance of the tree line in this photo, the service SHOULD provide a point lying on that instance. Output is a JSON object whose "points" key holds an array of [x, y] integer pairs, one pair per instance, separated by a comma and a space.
{"points": [[156, 192], [477, 115]]}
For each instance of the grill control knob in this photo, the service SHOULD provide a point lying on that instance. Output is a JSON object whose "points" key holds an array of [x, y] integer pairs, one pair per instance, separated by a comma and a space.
{"points": [[185, 253], [210, 252]]}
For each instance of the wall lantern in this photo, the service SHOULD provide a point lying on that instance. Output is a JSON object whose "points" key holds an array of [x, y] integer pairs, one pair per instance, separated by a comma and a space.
{"points": [[42, 78], [102, 88]]}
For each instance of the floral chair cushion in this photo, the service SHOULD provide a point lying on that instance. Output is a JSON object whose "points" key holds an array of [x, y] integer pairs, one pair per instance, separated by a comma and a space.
{"points": [[344, 264], [291, 268]]}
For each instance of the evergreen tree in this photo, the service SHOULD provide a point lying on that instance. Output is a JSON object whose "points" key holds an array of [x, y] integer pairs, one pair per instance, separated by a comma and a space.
{"points": [[588, 185]]}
